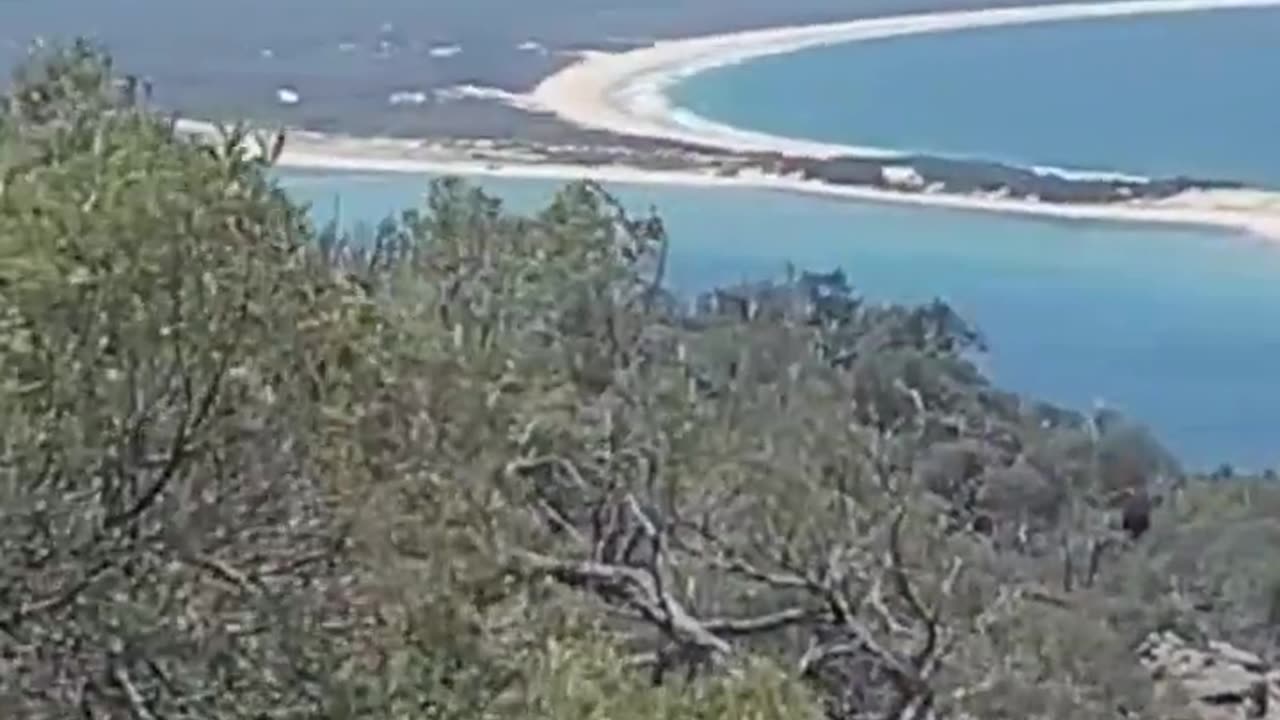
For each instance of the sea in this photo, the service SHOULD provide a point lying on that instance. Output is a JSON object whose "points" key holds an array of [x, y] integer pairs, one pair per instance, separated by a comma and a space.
{"points": [[1174, 327], [345, 59], [1183, 94]]}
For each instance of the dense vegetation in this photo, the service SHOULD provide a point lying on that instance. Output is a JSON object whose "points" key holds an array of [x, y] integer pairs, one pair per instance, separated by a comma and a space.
{"points": [[483, 466]]}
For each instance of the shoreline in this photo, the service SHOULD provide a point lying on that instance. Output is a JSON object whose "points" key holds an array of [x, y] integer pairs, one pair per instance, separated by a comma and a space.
{"points": [[1249, 212], [621, 94], [1246, 211], [624, 93]]}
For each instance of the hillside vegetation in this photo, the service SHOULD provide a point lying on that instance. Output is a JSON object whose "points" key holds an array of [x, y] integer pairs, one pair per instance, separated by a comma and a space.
{"points": [[482, 465]]}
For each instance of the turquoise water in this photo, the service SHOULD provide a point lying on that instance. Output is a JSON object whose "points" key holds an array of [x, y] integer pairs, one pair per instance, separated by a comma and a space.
{"points": [[1195, 94], [1175, 327]]}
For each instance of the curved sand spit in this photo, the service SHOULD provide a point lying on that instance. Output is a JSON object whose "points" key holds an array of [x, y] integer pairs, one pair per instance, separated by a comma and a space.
{"points": [[623, 93]]}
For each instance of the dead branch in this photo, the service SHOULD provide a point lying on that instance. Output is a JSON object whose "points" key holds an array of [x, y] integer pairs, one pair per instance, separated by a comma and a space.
{"points": [[137, 704], [761, 624], [641, 591]]}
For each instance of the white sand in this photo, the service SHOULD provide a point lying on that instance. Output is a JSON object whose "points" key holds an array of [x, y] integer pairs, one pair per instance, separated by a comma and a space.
{"points": [[623, 93], [1250, 211]]}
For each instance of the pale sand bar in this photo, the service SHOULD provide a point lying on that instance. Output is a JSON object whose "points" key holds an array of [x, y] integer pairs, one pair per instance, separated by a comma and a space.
{"points": [[1256, 212], [623, 93]]}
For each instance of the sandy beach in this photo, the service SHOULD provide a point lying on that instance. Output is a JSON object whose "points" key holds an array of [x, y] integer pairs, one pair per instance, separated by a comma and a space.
{"points": [[622, 93], [1253, 212]]}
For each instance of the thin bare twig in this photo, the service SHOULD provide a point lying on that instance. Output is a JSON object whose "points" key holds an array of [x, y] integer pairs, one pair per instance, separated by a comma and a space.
{"points": [[137, 704]]}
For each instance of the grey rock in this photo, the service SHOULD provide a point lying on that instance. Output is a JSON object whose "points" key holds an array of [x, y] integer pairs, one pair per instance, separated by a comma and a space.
{"points": [[1214, 681]]}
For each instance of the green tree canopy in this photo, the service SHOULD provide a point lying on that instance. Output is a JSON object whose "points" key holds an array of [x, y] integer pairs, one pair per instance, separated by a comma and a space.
{"points": [[482, 465]]}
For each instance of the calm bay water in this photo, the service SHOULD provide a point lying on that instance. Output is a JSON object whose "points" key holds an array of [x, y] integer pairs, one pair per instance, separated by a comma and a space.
{"points": [[1176, 94], [1175, 327]]}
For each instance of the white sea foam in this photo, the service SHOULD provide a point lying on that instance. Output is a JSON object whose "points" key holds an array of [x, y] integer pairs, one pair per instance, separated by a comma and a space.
{"points": [[480, 92], [407, 97], [444, 51]]}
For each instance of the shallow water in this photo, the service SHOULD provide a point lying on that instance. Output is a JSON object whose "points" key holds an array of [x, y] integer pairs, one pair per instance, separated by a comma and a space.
{"points": [[1175, 327], [1191, 93]]}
